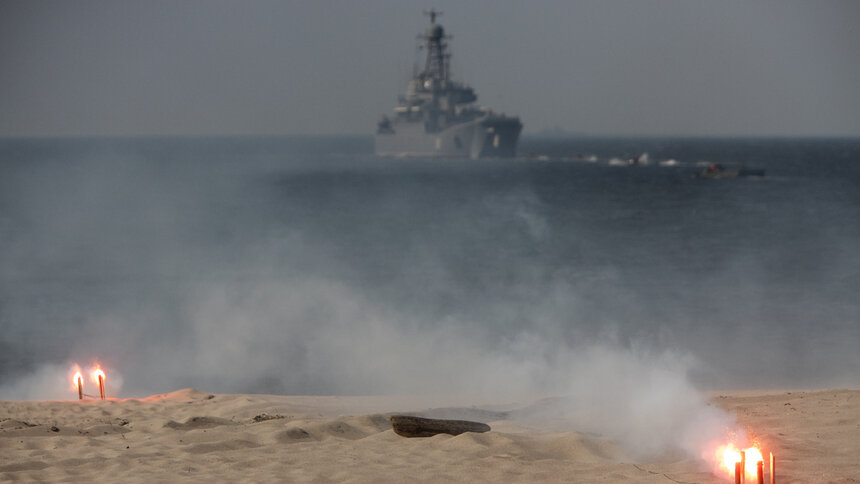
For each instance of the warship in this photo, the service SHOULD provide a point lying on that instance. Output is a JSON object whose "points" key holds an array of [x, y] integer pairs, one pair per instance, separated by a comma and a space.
{"points": [[438, 117]]}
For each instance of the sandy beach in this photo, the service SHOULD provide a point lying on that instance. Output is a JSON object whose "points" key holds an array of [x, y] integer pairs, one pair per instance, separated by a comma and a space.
{"points": [[196, 436]]}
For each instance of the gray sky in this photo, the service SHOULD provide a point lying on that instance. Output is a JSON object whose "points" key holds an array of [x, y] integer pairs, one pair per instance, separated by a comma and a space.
{"points": [[262, 67]]}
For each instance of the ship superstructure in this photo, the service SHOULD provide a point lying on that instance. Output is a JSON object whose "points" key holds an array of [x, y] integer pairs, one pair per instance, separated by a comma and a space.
{"points": [[439, 117]]}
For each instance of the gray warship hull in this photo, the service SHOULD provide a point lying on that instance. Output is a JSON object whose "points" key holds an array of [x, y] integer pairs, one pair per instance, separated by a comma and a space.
{"points": [[490, 136]]}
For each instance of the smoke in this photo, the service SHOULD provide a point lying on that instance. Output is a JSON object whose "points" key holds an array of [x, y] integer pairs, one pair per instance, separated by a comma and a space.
{"points": [[319, 336], [322, 336], [47, 382], [640, 397], [231, 270]]}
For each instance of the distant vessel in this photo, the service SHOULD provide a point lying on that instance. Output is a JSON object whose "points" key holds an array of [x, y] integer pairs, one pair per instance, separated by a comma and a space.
{"points": [[716, 171], [438, 117]]}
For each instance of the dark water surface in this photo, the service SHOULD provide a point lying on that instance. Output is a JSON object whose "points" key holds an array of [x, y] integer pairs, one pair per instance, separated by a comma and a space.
{"points": [[168, 257]]}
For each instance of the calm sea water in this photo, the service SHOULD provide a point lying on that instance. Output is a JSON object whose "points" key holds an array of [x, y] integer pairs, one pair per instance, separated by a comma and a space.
{"points": [[242, 251]]}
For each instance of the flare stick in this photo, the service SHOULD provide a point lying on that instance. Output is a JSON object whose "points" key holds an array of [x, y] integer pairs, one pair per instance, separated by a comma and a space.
{"points": [[102, 386], [759, 472], [772, 469], [80, 381], [743, 466], [739, 471]]}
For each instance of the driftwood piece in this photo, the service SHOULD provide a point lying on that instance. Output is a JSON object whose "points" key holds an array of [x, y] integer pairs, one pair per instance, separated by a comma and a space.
{"points": [[408, 426]]}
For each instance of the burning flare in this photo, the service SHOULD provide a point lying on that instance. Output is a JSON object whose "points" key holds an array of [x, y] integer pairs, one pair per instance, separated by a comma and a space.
{"points": [[78, 380], [99, 377], [727, 455]]}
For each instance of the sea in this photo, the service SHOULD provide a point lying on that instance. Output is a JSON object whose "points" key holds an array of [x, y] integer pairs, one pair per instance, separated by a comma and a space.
{"points": [[307, 265]]}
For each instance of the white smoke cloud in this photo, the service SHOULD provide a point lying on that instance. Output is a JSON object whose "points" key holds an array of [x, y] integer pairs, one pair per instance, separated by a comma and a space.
{"points": [[318, 336]]}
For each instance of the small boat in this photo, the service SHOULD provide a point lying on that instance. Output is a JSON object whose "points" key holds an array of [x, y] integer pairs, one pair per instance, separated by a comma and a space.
{"points": [[716, 170], [638, 160]]}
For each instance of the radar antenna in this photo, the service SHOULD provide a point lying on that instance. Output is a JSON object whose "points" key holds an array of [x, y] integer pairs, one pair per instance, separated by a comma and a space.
{"points": [[432, 13]]}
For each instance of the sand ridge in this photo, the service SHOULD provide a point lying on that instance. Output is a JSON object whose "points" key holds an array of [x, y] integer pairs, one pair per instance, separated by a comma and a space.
{"points": [[195, 436]]}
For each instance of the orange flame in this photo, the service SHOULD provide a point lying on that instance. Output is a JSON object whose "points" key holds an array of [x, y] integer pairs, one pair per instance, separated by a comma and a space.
{"points": [[727, 455], [76, 374], [98, 373]]}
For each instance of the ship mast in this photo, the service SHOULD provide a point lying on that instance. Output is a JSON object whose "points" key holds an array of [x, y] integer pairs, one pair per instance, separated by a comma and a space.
{"points": [[436, 65]]}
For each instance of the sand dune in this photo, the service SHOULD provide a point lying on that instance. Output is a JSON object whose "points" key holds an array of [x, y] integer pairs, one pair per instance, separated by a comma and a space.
{"points": [[196, 436]]}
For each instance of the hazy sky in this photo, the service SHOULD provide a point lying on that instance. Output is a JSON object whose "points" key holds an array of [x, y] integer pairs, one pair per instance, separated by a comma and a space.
{"points": [[262, 67]]}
